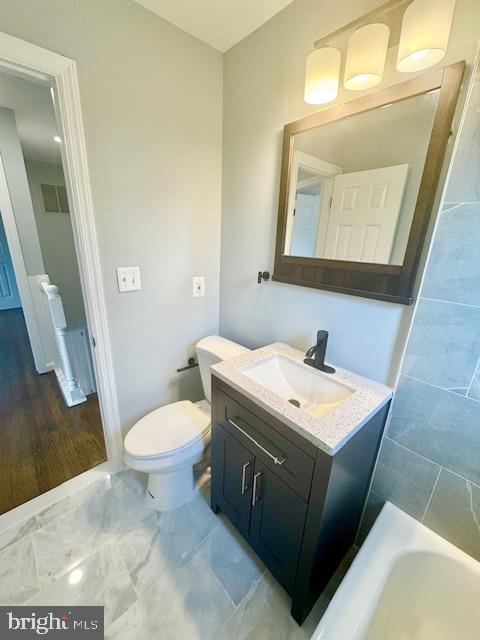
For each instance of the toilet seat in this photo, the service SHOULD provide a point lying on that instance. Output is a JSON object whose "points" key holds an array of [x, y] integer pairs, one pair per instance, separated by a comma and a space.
{"points": [[167, 430]]}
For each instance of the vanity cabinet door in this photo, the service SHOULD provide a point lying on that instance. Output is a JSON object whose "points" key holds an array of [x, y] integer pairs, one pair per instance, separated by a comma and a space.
{"points": [[276, 524], [233, 479]]}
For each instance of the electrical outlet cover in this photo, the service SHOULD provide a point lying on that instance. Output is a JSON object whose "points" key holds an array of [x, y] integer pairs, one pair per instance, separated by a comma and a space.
{"points": [[198, 286]]}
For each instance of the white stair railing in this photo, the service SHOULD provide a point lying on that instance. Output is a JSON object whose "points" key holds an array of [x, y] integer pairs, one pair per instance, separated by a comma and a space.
{"points": [[67, 381]]}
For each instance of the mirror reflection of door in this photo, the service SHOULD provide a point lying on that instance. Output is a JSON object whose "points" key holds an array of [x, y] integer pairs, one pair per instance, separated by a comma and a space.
{"points": [[310, 192], [305, 223], [363, 215], [354, 183]]}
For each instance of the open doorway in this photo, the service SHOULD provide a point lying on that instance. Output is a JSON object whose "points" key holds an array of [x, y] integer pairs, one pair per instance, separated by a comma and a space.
{"points": [[50, 422]]}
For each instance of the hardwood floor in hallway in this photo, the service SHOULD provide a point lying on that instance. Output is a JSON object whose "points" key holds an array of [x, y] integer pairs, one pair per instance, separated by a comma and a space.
{"points": [[42, 441]]}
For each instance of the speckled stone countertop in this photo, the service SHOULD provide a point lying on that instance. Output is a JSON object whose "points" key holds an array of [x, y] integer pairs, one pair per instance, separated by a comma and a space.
{"points": [[330, 431]]}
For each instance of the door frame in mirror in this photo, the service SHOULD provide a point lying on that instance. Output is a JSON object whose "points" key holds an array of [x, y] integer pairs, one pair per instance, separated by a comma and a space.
{"points": [[392, 283]]}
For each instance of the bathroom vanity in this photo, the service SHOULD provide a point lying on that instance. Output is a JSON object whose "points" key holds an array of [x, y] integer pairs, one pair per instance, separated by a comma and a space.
{"points": [[293, 479]]}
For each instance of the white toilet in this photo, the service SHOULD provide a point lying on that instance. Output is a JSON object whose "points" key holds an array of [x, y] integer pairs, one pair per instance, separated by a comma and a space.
{"points": [[167, 442]]}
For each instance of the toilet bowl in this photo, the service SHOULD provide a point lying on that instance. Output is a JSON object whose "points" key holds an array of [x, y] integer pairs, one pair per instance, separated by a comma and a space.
{"points": [[168, 441]]}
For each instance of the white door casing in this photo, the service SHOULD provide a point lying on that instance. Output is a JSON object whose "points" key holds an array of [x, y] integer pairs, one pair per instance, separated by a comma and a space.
{"points": [[325, 202], [364, 212], [314, 166], [38, 64]]}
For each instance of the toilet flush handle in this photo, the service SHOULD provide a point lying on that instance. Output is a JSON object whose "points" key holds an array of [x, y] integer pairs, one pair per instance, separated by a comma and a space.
{"points": [[191, 363]]}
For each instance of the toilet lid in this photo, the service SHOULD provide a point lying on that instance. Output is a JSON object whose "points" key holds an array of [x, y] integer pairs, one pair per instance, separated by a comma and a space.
{"points": [[166, 429]]}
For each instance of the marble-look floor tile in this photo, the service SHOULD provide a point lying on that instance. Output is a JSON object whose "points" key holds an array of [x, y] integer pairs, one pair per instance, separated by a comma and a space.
{"points": [[234, 563], [444, 344], [71, 501], [101, 580], [18, 572], [439, 425], [68, 539], [130, 483], [263, 615], [18, 531], [46, 515], [404, 478], [188, 604], [163, 540], [454, 512], [197, 564]]}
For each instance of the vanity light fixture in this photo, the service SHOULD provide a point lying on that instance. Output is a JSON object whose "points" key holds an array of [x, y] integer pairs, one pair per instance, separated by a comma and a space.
{"points": [[366, 55], [322, 75], [425, 32], [419, 28]]}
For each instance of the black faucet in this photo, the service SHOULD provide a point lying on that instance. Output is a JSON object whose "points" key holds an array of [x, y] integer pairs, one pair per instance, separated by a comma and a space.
{"points": [[318, 351]]}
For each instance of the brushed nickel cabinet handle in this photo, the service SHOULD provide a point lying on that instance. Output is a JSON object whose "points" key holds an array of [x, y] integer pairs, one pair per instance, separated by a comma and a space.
{"points": [[275, 459], [254, 492], [244, 477]]}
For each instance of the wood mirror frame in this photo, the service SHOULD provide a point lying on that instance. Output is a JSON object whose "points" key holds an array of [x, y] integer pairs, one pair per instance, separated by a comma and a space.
{"points": [[393, 283]]}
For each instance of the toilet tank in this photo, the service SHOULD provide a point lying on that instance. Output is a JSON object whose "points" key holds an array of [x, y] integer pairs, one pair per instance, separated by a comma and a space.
{"points": [[211, 350]]}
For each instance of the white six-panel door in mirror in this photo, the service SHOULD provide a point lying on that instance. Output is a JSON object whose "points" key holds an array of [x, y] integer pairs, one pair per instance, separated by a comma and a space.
{"points": [[364, 212], [354, 183]]}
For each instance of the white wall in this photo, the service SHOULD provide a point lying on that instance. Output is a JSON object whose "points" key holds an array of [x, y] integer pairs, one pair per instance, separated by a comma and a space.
{"points": [[19, 192], [263, 90], [56, 241], [152, 109]]}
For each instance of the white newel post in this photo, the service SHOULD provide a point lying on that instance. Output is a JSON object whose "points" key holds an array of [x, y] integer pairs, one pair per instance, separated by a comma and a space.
{"points": [[69, 386]]}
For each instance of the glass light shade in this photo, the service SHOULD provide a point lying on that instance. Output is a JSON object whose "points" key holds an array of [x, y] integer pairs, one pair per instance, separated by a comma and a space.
{"points": [[366, 55], [425, 32], [322, 75]]}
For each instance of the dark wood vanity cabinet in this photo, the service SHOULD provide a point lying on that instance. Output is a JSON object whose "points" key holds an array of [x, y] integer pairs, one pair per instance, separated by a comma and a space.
{"points": [[277, 522], [266, 511], [298, 507]]}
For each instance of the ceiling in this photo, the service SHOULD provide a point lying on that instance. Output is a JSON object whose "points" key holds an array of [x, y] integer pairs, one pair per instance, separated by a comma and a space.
{"points": [[34, 116], [219, 23]]}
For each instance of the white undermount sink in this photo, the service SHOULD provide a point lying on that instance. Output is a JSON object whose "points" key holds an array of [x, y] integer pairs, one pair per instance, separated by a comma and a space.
{"points": [[316, 392]]}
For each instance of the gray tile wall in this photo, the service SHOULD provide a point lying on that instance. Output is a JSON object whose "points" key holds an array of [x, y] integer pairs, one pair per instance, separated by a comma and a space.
{"points": [[429, 463]]}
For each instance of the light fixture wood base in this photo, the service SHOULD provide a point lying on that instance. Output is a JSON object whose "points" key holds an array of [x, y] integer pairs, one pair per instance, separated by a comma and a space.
{"points": [[390, 13]]}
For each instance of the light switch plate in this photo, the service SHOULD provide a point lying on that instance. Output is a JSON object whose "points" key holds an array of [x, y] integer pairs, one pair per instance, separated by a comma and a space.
{"points": [[198, 286], [128, 279]]}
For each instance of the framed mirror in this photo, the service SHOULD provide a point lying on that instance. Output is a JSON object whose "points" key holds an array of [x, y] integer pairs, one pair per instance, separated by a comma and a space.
{"points": [[358, 184]]}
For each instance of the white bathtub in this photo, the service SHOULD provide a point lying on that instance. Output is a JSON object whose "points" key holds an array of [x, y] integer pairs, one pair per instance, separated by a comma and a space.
{"points": [[406, 583]]}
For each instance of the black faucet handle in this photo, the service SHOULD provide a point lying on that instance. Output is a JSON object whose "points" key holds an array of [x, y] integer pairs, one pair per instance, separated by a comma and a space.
{"points": [[319, 350], [311, 351], [322, 335]]}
